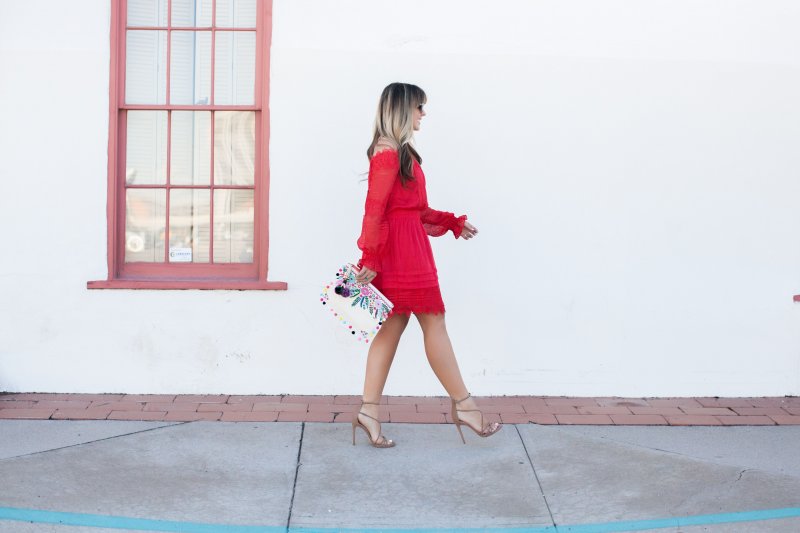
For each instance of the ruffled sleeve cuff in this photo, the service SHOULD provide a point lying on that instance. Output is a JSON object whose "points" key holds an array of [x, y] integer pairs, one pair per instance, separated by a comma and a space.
{"points": [[458, 225], [371, 261]]}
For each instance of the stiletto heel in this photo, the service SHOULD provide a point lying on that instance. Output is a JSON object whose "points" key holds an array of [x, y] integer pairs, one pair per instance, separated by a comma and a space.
{"points": [[486, 430], [457, 422], [380, 441]]}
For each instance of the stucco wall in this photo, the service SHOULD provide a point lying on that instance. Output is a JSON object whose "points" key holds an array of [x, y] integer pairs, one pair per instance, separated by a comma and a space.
{"points": [[632, 168]]}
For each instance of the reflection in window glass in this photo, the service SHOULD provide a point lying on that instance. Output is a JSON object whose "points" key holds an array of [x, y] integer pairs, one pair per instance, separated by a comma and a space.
{"points": [[189, 217], [145, 214], [233, 225], [190, 149], [145, 67], [146, 148], [234, 147], [235, 68]]}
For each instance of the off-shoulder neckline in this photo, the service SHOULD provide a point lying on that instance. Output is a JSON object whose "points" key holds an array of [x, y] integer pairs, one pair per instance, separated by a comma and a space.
{"points": [[376, 154]]}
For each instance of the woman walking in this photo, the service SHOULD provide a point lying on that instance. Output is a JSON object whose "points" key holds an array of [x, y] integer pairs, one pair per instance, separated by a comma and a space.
{"points": [[397, 259]]}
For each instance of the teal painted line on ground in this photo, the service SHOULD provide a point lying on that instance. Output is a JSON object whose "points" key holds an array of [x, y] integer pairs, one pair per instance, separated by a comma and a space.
{"points": [[548, 529], [145, 524], [125, 522], [697, 520]]}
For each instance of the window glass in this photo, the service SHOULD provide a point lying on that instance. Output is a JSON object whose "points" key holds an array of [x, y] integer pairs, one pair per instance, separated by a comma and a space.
{"points": [[190, 68], [236, 13], [235, 68], [233, 225], [145, 214], [147, 12], [189, 220], [145, 67], [191, 13], [234, 147], [146, 148], [190, 148]]}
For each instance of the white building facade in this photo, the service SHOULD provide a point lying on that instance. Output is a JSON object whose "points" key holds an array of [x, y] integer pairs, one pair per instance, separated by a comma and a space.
{"points": [[633, 168]]}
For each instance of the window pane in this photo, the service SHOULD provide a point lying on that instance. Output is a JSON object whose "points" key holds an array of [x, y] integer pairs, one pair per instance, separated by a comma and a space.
{"points": [[190, 68], [236, 13], [145, 67], [234, 147], [147, 12], [190, 158], [189, 215], [191, 13], [235, 68], [233, 226], [146, 148], [145, 215]]}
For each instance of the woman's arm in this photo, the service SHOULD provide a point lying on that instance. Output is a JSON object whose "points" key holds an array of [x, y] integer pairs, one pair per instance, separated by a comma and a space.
{"points": [[383, 169], [437, 223]]}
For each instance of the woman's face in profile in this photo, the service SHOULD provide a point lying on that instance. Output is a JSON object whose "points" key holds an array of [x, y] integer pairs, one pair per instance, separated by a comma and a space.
{"points": [[419, 112]]}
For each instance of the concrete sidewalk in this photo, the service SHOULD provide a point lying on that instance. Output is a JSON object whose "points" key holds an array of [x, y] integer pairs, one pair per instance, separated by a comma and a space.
{"points": [[305, 476]]}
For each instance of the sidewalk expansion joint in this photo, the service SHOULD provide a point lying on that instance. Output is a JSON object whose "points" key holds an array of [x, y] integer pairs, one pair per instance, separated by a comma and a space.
{"points": [[535, 475], [93, 441], [296, 474]]}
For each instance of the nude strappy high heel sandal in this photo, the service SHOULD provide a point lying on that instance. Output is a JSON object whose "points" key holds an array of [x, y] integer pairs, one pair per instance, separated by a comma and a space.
{"points": [[486, 431], [381, 441]]}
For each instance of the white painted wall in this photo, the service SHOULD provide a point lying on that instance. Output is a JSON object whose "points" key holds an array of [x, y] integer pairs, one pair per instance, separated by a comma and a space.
{"points": [[632, 167]]}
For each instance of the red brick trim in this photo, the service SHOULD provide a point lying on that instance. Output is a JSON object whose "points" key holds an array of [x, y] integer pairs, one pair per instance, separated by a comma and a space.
{"points": [[701, 411]]}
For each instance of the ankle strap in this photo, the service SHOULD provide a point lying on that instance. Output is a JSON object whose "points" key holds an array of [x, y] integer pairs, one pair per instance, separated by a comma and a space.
{"points": [[371, 403], [461, 400], [365, 414]]}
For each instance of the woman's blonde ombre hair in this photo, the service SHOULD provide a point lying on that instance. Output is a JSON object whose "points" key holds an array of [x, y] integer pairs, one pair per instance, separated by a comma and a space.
{"points": [[394, 122]]}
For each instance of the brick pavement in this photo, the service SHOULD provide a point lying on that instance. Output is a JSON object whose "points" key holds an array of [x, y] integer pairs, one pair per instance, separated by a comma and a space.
{"points": [[700, 411]]}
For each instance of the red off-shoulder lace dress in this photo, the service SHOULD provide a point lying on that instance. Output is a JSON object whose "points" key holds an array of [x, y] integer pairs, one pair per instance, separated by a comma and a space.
{"points": [[394, 236]]}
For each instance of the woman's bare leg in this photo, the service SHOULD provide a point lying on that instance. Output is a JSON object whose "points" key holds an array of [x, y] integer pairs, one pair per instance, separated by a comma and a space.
{"points": [[379, 360], [442, 359]]}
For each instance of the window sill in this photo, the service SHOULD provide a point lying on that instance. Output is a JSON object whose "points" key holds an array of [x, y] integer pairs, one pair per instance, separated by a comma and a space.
{"points": [[186, 284]]}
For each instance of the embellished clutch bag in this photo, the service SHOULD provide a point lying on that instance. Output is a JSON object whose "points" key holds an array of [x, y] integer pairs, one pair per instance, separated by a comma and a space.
{"points": [[359, 307]]}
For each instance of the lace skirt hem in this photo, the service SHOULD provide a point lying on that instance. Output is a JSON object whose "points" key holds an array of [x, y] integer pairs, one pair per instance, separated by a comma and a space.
{"points": [[420, 300]]}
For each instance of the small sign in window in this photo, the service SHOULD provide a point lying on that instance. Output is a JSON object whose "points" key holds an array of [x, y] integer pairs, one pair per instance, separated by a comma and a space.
{"points": [[180, 255]]}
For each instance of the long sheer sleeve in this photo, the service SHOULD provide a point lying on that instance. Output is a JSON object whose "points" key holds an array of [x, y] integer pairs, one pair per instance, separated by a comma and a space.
{"points": [[437, 223], [383, 171]]}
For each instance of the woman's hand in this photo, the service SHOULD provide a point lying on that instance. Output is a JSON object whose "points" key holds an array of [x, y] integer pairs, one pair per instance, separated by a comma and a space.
{"points": [[468, 231], [365, 275]]}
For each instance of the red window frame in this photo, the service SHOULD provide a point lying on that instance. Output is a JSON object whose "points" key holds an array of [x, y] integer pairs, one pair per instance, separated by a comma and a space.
{"points": [[185, 275]]}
